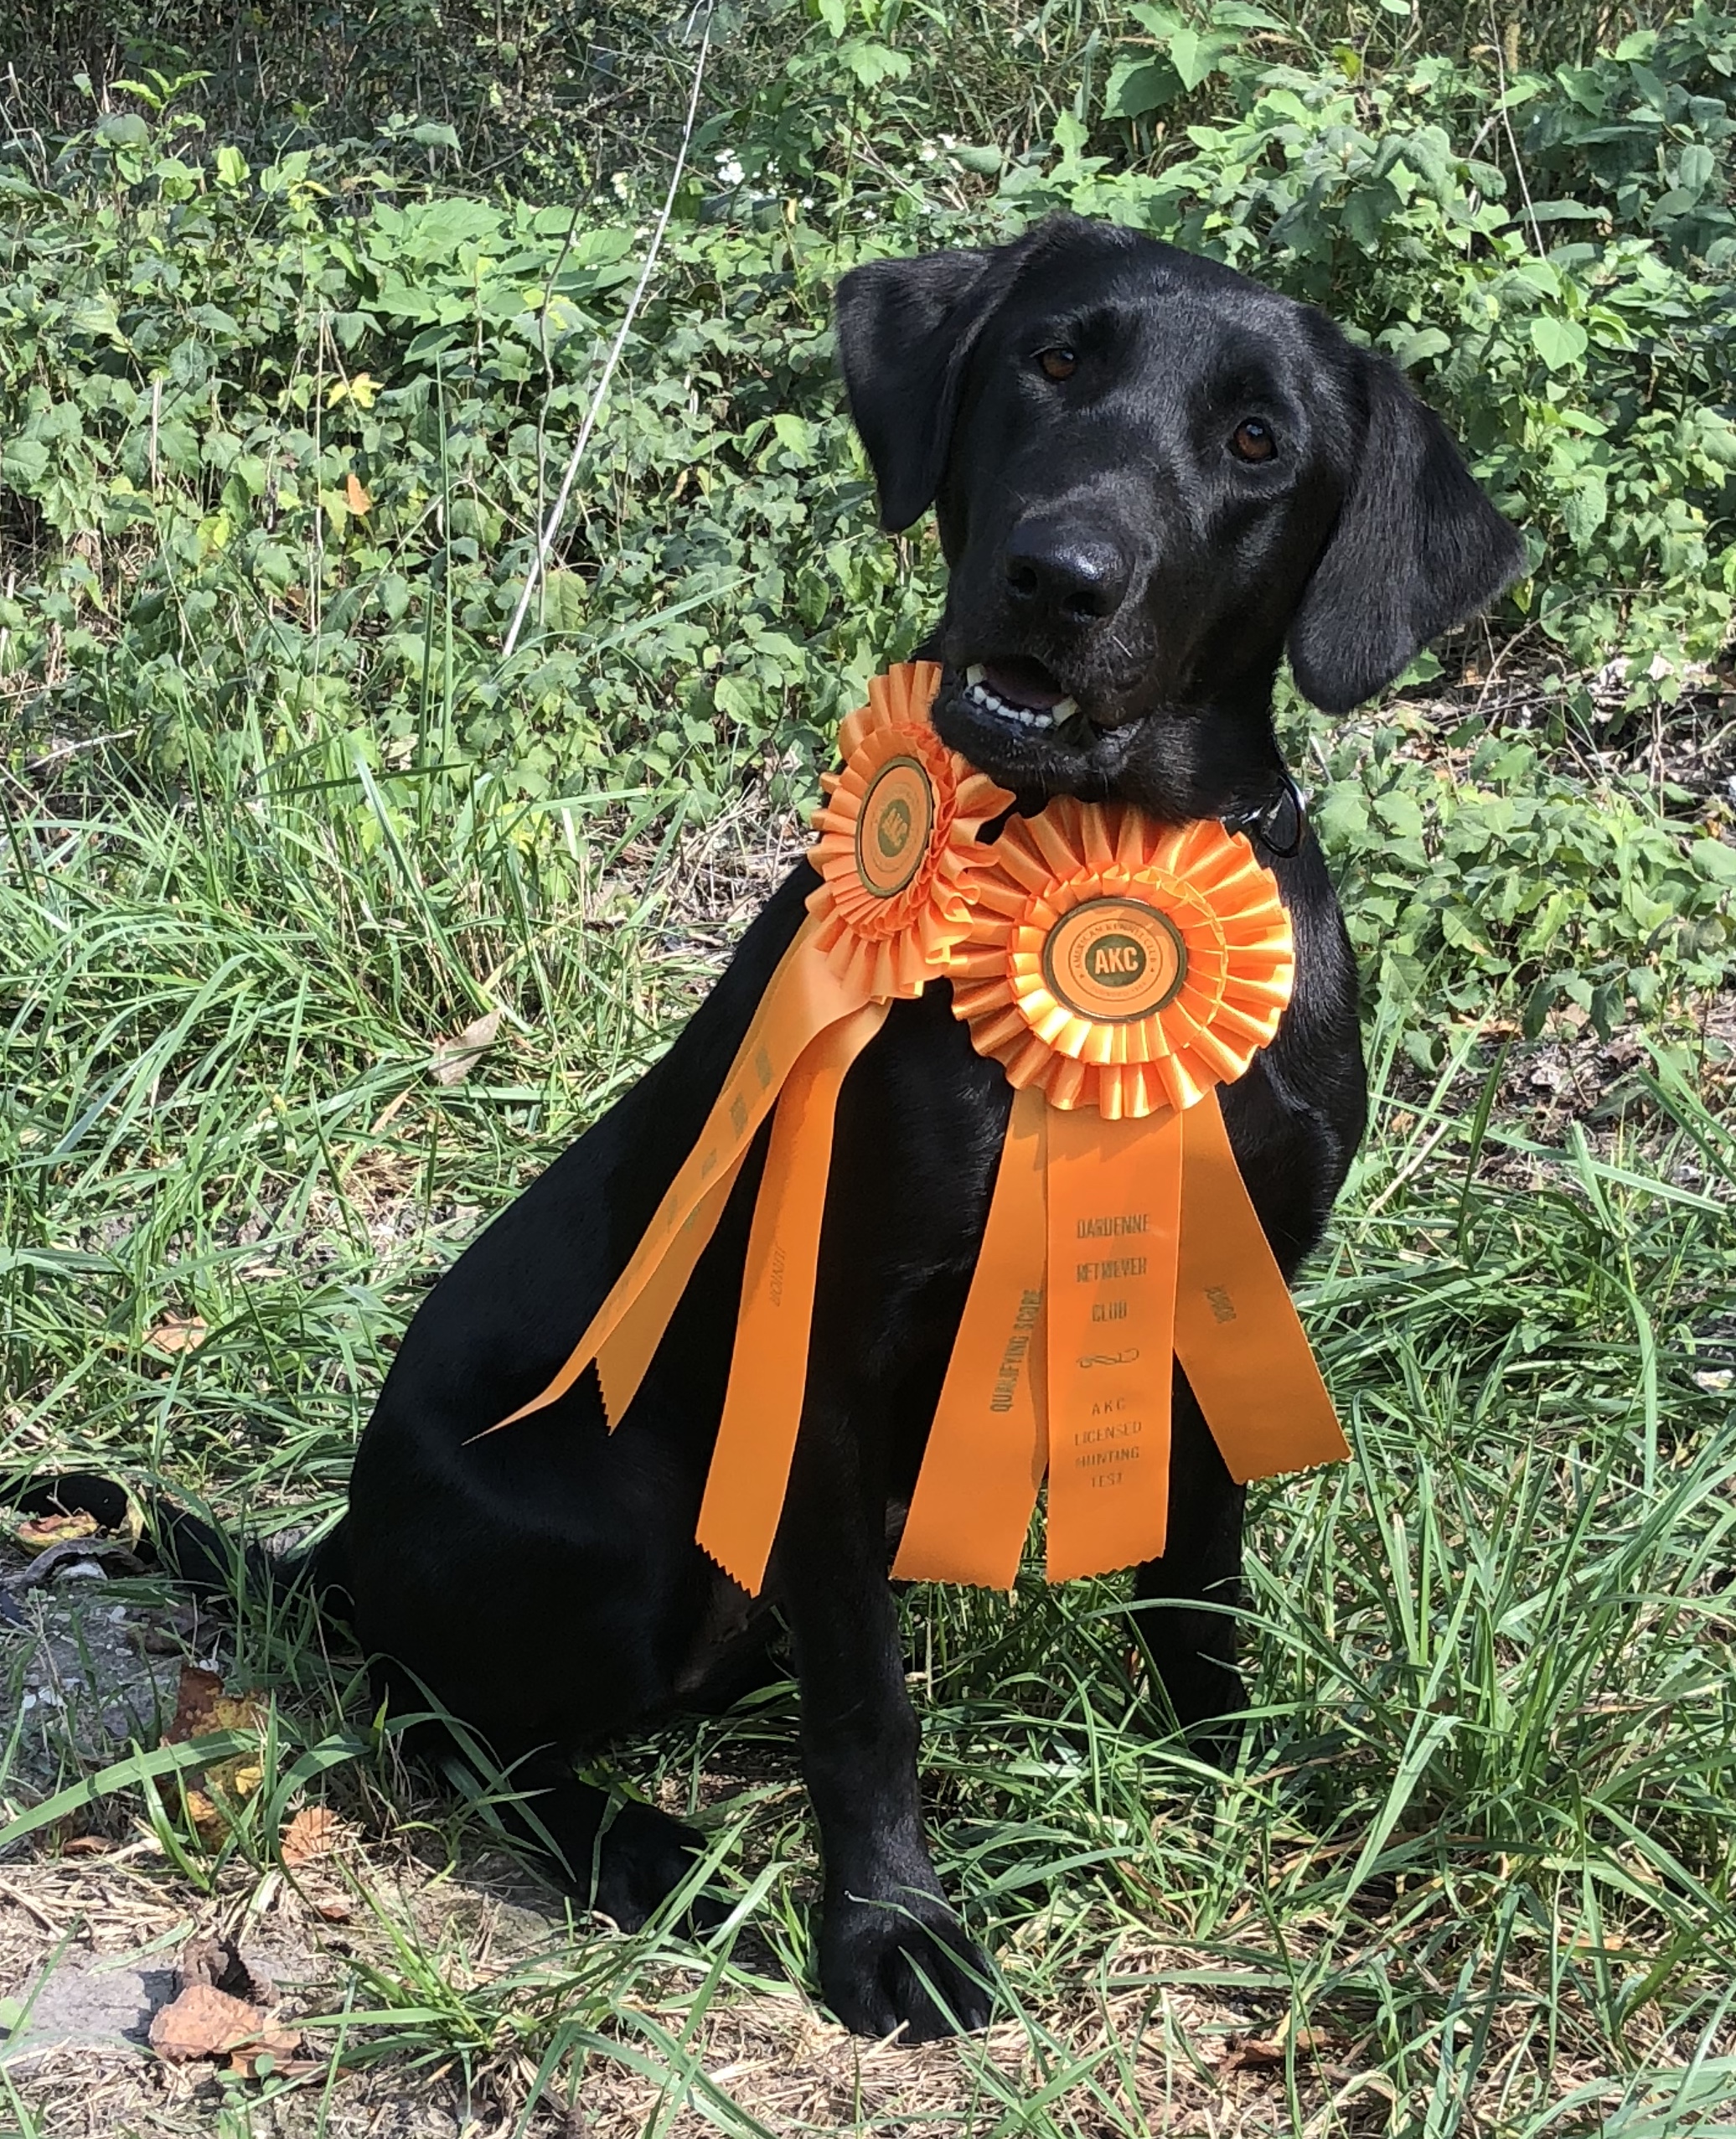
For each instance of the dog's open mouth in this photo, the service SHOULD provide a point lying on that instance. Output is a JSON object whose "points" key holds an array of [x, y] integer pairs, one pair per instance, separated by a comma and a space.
{"points": [[1020, 692]]}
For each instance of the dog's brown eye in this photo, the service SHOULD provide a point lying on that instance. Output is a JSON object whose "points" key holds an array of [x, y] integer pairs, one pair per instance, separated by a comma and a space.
{"points": [[1252, 441], [1057, 363]]}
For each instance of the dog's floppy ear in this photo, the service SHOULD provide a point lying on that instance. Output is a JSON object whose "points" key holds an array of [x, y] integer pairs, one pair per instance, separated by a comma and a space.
{"points": [[1417, 548], [905, 327]]}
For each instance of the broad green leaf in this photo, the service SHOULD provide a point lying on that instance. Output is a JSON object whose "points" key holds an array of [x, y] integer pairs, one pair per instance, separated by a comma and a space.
{"points": [[1193, 56], [872, 63], [124, 130], [794, 434], [24, 462], [1715, 861], [1136, 86], [1585, 507], [1696, 169], [1422, 343], [1560, 343]]}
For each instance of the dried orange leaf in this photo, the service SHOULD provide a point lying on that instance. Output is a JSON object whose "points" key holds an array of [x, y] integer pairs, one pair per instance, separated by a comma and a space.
{"points": [[454, 1059], [202, 1705], [313, 1832], [208, 1823], [204, 2023], [356, 495], [176, 1333], [238, 1778], [42, 1530], [1273, 2049]]}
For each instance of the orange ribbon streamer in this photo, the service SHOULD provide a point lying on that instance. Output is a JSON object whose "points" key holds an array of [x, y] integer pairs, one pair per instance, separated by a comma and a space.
{"points": [[895, 855], [805, 996], [989, 1443], [769, 1370], [1114, 1192], [1241, 1343]]}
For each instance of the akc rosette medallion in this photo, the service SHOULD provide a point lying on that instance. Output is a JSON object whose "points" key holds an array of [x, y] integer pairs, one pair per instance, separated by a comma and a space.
{"points": [[1122, 965], [897, 852]]}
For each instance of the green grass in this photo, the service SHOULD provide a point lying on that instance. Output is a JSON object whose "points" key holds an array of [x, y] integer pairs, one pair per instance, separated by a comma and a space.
{"points": [[1481, 1839]]}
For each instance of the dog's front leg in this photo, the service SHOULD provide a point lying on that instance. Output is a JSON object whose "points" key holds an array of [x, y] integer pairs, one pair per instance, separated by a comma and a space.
{"points": [[892, 1951], [1189, 1595]]}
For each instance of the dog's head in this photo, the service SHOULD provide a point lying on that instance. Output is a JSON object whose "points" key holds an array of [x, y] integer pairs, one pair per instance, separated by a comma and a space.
{"points": [[1152, 475]]}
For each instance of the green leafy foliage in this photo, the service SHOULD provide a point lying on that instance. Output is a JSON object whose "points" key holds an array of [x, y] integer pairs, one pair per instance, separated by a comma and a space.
{"points": [[1497, 876], [1540, 268], [292, 440], [277, 435]]}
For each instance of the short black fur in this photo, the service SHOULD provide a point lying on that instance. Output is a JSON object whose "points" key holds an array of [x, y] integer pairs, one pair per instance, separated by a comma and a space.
{"points": [[1107, 545]]}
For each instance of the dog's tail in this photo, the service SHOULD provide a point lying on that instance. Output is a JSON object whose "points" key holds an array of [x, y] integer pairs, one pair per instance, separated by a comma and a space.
{"points": [[185, 1546]]}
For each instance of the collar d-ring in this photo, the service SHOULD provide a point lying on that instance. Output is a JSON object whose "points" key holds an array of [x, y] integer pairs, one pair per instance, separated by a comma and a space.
{"points": [[1277, 825]]}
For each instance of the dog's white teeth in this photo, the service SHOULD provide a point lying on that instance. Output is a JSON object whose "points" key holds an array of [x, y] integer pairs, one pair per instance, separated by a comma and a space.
{"points": [[991, 701], [1063, 708], [974, 675]]}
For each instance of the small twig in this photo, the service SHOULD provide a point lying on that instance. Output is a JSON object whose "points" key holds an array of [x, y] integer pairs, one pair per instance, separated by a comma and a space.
{"points": [[72, 749], [551, 527], [10, 1894], [1507, 121]]}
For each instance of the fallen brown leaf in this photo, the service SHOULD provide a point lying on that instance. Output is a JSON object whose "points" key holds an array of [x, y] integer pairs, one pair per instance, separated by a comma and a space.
{"points": [[176, 1333], [313, 1832], [201, 1706], [108, 1552], [204, 2023], [41, 1532], [454, 1059], [87, 1846], [1254, 2050], [220, 1963]]}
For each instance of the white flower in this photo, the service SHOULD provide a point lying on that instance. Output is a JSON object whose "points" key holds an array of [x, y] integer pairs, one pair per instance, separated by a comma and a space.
{"points": [[729, 170]]}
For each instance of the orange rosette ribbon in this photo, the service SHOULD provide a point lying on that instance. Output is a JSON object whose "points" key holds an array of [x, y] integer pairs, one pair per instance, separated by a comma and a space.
{"points": [[1121, 965], [897, 852], [897, 856], [1120, 971]]}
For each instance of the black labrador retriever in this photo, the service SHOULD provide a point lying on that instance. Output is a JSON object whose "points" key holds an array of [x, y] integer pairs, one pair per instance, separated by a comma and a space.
{"points": [[1153, 477]]}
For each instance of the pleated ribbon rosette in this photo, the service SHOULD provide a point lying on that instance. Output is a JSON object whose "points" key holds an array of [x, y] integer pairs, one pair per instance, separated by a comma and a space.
{"points": [[1120, 971]]}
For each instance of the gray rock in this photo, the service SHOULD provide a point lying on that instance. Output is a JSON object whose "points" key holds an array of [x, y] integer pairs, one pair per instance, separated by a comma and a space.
{"points": [[84, 2002]]}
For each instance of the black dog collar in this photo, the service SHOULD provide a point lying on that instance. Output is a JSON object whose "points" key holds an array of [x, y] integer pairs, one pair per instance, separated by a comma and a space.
{"points": [[1277, 825]]}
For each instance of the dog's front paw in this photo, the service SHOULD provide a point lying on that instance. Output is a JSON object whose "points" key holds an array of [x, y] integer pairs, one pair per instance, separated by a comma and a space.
{"points": [[644, 1858], [902, 1959]]}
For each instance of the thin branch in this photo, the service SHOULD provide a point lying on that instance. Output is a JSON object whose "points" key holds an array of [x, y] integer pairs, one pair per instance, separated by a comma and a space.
{"points": [[558, 512]]}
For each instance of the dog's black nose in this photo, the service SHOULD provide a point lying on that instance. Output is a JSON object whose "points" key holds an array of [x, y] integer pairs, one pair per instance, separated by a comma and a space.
{"points": [[1077, 574]]}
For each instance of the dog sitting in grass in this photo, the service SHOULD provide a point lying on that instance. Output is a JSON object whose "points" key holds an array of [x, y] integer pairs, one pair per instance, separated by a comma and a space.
{"points": [[1154, 480]]}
